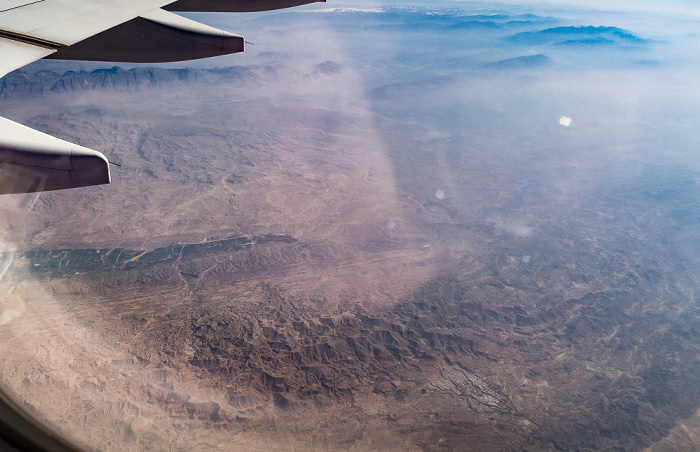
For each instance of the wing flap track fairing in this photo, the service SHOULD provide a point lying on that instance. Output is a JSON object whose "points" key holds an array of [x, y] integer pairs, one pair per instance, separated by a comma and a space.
{"points": [[32, 161]]}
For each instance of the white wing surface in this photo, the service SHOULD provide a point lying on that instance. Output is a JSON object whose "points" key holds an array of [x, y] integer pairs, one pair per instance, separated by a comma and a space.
{"points": [[15, 54], [66, 22]]}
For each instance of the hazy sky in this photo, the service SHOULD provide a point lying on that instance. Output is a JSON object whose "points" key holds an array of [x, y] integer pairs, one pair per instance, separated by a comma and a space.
{"points": [[683, 8]]}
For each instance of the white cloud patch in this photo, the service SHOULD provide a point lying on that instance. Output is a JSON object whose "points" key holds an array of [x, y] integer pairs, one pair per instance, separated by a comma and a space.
{"points": [[8, 315], [347, 10], [519, 227]]}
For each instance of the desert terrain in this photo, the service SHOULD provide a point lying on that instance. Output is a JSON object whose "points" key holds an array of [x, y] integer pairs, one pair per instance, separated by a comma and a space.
{"points": [[302, 256]]}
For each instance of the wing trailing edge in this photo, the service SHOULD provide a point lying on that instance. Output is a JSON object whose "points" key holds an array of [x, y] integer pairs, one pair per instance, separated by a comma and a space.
{"points": [[155, 37], [234, 6]]}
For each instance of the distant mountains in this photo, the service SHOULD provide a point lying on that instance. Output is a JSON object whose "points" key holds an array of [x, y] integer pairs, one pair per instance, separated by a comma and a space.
{"points": [[579, 35], [23, 84], [521, 62], [413, 88], [406, 20]]}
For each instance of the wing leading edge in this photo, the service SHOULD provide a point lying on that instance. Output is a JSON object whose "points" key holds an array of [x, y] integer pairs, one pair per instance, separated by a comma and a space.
{"points": [[134, 31]]}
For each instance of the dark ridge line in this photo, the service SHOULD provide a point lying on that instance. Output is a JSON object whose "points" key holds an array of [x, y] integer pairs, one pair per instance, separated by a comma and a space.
{"points": [[90, 260]]}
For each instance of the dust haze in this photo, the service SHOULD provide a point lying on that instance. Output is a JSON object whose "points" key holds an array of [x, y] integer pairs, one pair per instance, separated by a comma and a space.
{"points": [[446, 227]]}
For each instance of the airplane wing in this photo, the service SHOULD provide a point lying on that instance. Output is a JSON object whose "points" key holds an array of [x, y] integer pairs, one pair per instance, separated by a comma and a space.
{"points": [[134, 31]]}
